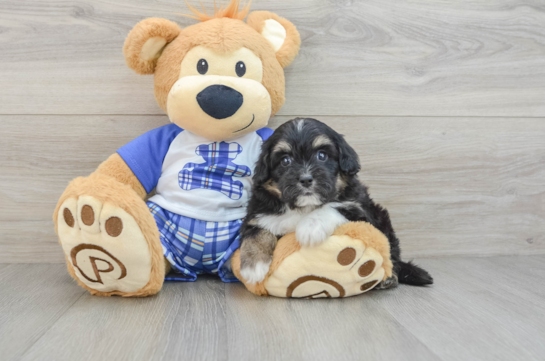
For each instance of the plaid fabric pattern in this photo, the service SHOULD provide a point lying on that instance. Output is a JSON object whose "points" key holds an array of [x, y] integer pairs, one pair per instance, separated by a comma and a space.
{"points": [[218, 170], [195, 247]]}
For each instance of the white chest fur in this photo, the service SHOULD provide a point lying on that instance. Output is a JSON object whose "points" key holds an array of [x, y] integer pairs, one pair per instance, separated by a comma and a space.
{"points": [[284, 223], [311, 224]]}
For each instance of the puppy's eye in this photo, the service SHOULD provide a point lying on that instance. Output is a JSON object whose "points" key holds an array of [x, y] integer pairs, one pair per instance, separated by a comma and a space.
{"points": [[202, 66], [240, 68], [286, 161], [322, 156]]}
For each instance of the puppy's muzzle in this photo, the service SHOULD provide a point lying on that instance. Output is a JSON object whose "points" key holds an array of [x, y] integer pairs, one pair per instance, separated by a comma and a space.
{"points": [[219, 101]]}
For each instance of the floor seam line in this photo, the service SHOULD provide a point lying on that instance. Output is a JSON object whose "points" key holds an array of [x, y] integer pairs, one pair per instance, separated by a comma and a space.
{"points": [[52, 324], [406, 329]]}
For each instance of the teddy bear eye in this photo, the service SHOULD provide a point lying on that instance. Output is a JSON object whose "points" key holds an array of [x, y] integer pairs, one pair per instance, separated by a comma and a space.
{"points": [[240, 68], [202, 66]]}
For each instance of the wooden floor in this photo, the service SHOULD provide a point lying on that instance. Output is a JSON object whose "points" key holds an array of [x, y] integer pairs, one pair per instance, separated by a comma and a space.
{"points": [[479, 309]]}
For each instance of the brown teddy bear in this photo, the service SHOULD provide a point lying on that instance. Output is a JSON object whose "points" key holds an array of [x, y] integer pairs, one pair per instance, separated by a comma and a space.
{"points": [[219, 81]]}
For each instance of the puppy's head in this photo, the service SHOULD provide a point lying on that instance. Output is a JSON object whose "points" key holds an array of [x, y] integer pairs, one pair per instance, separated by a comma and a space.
{"points": [[305, 163]]}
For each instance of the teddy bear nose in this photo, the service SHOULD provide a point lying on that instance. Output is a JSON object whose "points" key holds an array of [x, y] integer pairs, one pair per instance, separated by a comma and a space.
{"points": [[219, 101]]}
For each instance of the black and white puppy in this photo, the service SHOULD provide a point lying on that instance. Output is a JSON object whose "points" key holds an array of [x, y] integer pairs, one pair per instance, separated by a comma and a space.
{"points": [[305, 181]]}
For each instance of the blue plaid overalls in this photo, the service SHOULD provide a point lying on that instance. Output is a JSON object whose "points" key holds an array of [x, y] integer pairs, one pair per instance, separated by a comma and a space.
{"points": [[194, 247]]}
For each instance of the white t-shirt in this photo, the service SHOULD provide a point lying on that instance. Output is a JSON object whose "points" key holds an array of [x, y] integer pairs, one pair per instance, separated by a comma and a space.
{"points": [[193, 176]]}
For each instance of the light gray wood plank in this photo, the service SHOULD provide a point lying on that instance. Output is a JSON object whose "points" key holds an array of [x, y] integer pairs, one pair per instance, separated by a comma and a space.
{"points": [[373, 57], [518, 279], [343, 329], [185, 320], [469, 186], [32, 298], [464, 317]]}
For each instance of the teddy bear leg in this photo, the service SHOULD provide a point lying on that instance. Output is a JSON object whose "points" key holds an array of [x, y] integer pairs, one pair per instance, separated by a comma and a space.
{"points": [[109, 238], [353, 261]]}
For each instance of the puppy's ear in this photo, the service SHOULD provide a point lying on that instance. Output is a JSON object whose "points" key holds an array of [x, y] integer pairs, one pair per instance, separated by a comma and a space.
{"points": [[263, 166], [146, 42], [349, 161], [280, 33]]}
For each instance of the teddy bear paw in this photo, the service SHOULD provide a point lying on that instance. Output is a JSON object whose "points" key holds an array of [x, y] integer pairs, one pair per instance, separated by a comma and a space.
{"points": [[104, 245], [341, 266]]}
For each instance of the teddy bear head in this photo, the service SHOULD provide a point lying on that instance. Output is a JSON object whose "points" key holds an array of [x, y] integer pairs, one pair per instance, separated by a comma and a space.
{"points": [[220, 78]]}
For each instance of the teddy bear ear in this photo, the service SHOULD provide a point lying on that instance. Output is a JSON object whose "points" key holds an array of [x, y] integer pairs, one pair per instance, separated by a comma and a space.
{"points": [[146, 42], [281, 33]]}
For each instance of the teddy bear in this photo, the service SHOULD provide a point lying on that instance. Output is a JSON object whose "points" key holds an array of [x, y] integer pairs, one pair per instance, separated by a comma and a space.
{"points": [[169, 204]]}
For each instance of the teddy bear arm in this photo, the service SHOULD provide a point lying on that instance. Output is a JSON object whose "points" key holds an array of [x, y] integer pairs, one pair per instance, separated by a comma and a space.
{"points": [[116, 168]]}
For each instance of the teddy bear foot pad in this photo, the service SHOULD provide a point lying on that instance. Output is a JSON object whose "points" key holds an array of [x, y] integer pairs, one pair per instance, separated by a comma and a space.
{"points": [[354, 260], [104, 245], [340, 267]]}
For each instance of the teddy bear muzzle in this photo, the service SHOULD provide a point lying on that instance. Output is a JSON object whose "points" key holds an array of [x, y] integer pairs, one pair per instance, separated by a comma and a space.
{"points": [[216, 106]]}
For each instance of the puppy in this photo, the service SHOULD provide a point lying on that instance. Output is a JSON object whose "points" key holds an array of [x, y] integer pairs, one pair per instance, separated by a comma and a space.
{"points": [[305, 181]]}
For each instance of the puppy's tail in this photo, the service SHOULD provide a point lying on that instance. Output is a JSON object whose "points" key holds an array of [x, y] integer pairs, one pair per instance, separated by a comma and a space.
{"points": [[411, 274]]}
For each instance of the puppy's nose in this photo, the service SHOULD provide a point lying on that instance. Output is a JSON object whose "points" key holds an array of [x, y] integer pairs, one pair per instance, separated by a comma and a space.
{"points": [[306, 180], [219, 101]]}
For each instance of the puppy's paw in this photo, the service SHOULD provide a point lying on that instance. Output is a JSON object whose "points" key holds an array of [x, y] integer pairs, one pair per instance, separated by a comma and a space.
{"points": [[255, 273], [317, 226], [313, 230], [390, 282]]}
